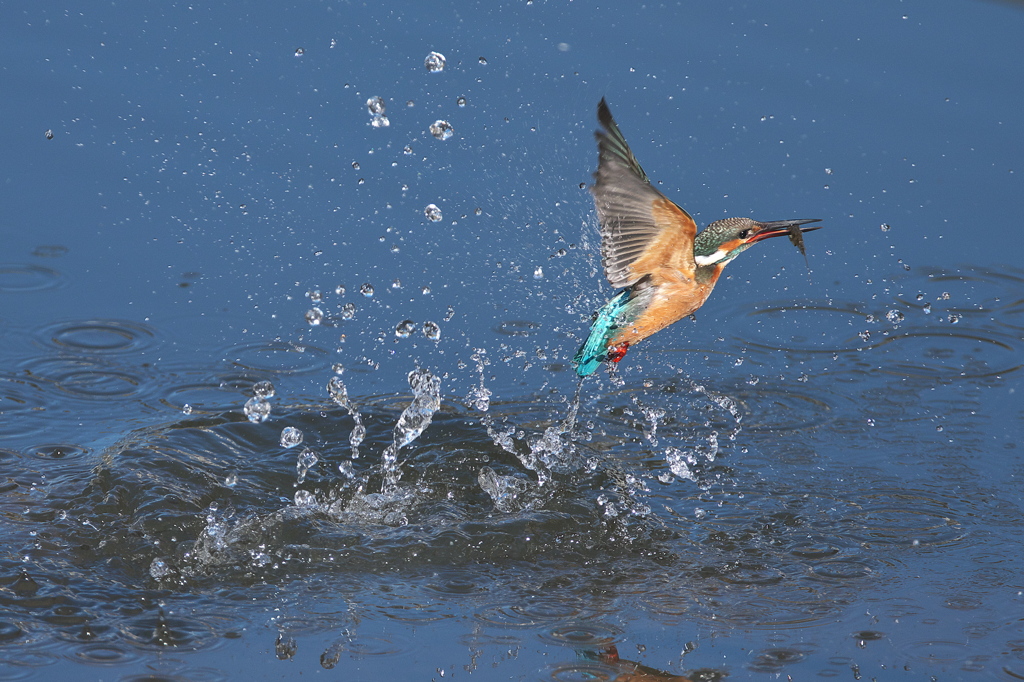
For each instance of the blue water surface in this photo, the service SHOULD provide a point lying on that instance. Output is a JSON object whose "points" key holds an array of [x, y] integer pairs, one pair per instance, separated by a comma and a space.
{"points": [[820, 476]]}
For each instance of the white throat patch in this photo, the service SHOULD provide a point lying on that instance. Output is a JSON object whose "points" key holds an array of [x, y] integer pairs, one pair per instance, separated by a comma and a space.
{"points": [[712, 259]]}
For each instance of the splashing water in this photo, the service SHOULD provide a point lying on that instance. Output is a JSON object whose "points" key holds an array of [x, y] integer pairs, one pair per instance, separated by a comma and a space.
{"points": [[434, 63], [480, 396], [290, 437], [339, 394], [552, 451], [510, 494], [426, 391], [257, 408], [442, 129], [306, 460], [433, 213]]}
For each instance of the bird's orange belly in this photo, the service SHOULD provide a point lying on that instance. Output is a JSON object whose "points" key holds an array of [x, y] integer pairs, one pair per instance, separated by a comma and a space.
{"points": [[665, 308]]}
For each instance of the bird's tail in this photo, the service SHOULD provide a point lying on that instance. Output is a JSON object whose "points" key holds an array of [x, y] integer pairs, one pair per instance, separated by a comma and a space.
{"points": [[594, 350]]}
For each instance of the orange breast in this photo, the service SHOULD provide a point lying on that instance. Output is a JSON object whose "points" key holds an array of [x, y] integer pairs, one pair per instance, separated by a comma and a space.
{"points": [[675, 297]]}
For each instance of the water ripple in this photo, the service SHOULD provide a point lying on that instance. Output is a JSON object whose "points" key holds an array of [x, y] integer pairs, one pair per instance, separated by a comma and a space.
{"points": [[97, 336], [278, 357], [25, 277]]}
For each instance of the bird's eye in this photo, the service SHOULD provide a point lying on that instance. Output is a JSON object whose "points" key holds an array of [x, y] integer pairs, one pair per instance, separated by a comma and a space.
{"points": [[744, 234]]}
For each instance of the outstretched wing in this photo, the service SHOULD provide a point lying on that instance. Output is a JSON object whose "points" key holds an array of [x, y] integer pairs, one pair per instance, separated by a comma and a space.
{"points": [[641, 230]]}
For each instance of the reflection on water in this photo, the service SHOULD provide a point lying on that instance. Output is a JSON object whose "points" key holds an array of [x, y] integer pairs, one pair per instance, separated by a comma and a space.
{"points": [[796, 510]]}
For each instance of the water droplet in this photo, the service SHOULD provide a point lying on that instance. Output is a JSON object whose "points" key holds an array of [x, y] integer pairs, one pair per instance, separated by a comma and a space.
{"points": [[828, 171], [186, 409], [304, 498], [314, 316], [477, 211], [405, 329], [307, 459], [885, 227], [397, 284], [483, 61], [290, 437], [944, 296], [375, 105], [339, 290], [379, 122], [407, 150], [441, 129], [894, 316], [433, 213], [927, 308], [538, 273], [431, 330], [461, 101], [864, 336], [346, 469], [449, 314], [410, 103], [434, 62], [355, 165], [954, 318], [257, 410], [49, 134], [348, 311], [263, 389], [299, 51], [315, 296], [426, 290], [159, 569], [426, 390], [366, 290], [231, 480]]}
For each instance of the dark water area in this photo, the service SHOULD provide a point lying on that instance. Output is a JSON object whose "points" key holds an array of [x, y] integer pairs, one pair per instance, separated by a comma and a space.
{"points": [[265, 413]]}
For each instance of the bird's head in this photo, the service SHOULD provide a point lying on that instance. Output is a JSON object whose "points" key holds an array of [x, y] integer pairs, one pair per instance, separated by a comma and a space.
{"points": [[723, 240]]}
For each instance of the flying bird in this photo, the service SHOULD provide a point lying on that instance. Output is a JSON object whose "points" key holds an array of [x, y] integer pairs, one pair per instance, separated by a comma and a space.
{"points": [[650, 250]]}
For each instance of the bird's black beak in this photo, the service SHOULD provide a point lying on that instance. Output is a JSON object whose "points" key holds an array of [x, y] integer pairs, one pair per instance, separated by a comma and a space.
{"points": [[778, 228]]}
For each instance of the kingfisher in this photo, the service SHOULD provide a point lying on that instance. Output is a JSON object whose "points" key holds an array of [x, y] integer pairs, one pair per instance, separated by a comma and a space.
{"points": [[651, 251]]}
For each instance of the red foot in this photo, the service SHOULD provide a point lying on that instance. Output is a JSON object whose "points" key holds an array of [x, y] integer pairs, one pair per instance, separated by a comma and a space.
{"points": [[617, 353]]}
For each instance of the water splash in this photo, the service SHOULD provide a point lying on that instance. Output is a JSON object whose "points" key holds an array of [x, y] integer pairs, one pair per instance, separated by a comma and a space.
{"points": [[257, 408], [480, 396], [434, 63], [339, 394], [442, 129], [426, 391], [510, 494], [290, 437], [306, 460], [433, 213], [552, 451]]}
